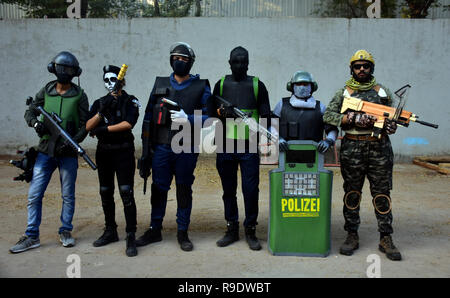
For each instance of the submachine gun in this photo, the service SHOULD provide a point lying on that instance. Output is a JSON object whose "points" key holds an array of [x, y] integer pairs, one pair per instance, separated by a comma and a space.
{"points": [[382, 112], [52, 124]]}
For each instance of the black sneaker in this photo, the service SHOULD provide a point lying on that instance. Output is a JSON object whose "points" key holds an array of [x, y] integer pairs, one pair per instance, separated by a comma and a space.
{"points": [[109, 236], [183, 240], [131, 250], [250, 236], [150, 236], [25, 243]]}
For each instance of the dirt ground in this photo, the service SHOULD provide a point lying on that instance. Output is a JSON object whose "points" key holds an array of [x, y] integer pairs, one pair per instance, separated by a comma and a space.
{"points": [[421, 211]]}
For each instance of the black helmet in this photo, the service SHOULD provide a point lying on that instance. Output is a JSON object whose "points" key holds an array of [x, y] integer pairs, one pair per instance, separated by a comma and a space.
{"points": [[184, 50], [65, 59]]}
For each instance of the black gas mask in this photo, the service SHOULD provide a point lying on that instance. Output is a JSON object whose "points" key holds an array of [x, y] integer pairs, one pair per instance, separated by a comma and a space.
{"points": [[239, 63]]}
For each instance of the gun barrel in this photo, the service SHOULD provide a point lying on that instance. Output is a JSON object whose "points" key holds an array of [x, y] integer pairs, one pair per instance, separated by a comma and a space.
{"points": [[427, 123], [168, 101]]}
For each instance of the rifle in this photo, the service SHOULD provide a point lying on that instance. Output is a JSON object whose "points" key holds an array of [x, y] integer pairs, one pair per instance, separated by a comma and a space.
{"points": [[382, 112], [120, 77], [248, 120], [52, 123]]}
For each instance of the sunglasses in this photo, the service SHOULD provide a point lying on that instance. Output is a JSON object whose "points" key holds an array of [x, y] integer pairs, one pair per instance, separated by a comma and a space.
{"points": [[110, 80], [358, 66]]}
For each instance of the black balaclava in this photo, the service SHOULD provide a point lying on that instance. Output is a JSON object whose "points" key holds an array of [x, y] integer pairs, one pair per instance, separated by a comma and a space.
{"points": [[239, 63], [179, 67]]}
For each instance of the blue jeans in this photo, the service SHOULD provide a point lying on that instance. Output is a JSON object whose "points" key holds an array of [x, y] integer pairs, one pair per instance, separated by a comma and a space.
{"points": [[42, 172], [227, 165], [165, 165]]}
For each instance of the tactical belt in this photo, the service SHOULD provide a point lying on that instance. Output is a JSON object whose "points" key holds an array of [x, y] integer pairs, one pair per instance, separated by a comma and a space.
{"points": [[115, 146], [363, 137]]}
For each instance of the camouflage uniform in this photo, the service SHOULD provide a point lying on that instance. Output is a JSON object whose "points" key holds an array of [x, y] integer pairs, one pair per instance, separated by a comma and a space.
{"points": [[361, 158]]}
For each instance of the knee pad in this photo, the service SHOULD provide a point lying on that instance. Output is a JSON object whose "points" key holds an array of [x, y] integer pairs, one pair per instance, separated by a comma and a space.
{"points": [[106, 191], [382, 204], [352, 199], [184, 195], [126, 193]]}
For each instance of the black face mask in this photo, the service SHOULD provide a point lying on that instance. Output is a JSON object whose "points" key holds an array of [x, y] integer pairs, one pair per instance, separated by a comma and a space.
{"points": [[239, 63], [181, 68], [63, 78]]}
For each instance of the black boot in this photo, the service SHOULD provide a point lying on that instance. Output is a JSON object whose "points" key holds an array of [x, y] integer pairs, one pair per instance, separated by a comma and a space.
{"points": [[250, 236], [150, 236], [183, 240], [109, 236], [131, 245], [231, 235]]}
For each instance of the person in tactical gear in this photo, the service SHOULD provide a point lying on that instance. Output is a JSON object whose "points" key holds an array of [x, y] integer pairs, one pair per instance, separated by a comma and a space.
{"points": [[250, 95], [189, 93], [70, 103], [112, 118], [301, 114], [363, 155]]}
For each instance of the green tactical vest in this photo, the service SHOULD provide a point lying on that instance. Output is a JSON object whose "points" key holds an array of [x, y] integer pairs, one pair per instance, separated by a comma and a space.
{"points": [[241, 131], [66, 108]]}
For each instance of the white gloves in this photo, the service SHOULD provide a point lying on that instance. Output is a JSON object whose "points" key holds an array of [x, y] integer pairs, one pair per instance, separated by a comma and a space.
{"points": [[178, 116]]}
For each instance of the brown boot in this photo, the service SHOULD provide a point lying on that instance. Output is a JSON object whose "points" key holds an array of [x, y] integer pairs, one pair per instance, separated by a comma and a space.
{"points": [[350, 244], [388, 247]]}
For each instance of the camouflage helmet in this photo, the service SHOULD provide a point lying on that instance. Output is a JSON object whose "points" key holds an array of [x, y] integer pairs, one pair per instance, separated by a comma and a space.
{"points": [[299, 77], [362, 55]]}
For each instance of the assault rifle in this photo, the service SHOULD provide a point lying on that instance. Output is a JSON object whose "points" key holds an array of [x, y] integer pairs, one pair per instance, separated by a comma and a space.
{"points": [[52, 124], [382, 112], [248, 120]]}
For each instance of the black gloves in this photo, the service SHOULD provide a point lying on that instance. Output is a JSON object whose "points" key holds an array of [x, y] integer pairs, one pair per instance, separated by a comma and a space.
{"points": [[145, 166], [390, 126], [324, 145], [105, 103], [360, 119], [226, 112], [99, 131], [39, 128], [283, 145], [64, 149]]}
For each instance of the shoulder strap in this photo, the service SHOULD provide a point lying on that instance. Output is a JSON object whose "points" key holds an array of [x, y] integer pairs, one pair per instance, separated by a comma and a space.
{"points": [[221, 86], [349, 90], [376, 88], [256, 87]]}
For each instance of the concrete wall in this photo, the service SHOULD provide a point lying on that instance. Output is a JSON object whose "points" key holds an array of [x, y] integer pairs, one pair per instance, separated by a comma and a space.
{"points": [[406, 51]]}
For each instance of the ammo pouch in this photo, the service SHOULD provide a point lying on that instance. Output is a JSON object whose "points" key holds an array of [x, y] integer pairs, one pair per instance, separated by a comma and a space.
{"points": [[289, 130]]}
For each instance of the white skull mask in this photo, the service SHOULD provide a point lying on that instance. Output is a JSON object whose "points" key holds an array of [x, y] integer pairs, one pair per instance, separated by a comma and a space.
{"points": [[110, 80]]}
